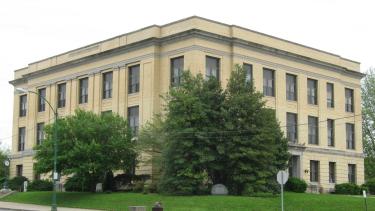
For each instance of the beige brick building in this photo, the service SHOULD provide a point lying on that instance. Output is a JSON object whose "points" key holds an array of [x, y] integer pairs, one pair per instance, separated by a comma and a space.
{"points": [[316, 94]]}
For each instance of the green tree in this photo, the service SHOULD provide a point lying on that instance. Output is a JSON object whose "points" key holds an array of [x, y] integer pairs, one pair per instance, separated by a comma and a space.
{"points": [[89, 146], [368, 126], [213, 136]]}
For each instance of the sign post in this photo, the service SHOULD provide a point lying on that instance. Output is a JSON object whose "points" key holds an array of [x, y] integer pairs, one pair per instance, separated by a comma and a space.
{"points": [[365, 197], [282, 177]]}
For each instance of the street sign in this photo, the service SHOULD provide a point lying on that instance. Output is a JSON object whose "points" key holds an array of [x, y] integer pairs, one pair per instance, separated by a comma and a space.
{"points": [[282, 177]]}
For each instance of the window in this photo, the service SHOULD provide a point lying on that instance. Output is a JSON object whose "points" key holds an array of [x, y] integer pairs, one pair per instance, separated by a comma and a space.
{"points": [[349, 100], [350, 142], [330, 96], [61, 95], [332, 172], [268, 82], [313, 130], [19, 170], [83, 90], [212, 67], [133, 118], [352, 173], [177, 66], [314, 171], [41, 100], [331, 132], [312, 91], [107, 85], [249, 72], [291, 119], [39, 133], [291, 87], [133, 79], [23, 105], [21, 138]]}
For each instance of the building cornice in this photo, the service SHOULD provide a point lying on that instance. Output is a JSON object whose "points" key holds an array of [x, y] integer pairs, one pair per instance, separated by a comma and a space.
{"points": [[193, 33]]}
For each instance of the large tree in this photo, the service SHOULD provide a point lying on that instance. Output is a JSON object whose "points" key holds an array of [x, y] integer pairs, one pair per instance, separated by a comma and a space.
{"points": [[215, 136], [89, 146], [368, 111]]}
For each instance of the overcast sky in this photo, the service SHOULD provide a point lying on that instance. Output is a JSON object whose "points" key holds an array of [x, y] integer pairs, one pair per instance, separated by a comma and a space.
{"points": [[31, 30]]}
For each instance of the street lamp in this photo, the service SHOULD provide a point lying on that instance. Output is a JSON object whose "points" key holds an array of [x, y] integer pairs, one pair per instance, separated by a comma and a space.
{"points": [[55, 174]]}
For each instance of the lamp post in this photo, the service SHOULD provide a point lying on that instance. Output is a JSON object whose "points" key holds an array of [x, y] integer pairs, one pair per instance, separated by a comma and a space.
{"points": [[54, 174], [6, 164]]}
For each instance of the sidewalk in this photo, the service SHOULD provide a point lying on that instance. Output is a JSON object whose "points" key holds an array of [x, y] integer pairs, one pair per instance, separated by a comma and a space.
{"points": [[33, 207]]}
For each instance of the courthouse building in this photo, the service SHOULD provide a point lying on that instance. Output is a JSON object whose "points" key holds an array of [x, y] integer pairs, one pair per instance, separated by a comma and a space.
{"points": [[316, 94]]}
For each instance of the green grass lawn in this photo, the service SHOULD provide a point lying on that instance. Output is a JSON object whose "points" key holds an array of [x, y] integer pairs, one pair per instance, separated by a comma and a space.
{"points": [[121, 201]]}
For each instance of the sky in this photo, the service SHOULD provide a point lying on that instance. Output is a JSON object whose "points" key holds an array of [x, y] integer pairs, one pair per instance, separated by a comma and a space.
{"points": [[31, 30]]}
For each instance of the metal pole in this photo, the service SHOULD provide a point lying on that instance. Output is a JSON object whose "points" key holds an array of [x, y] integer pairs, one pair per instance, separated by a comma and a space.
{"points": [[54, 174], [282, 193], [365, 203]]}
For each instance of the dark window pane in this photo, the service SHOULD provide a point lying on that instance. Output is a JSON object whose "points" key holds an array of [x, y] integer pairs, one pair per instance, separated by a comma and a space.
{"points": [[313, 130], [349, 100], [83, 90], [19, 170], [23, 105], [61, 95], [39, 133], [41, 100], [352, 177], [291, 87], [177, 66], [332, 172], [133, 79], [314, 171], [249, 72], [212, 67], [350, 141], [21, 138], [133, 118], [291, 127], [107, 85], [312, 91], [331, 132], [330, 96], [268, 82]]}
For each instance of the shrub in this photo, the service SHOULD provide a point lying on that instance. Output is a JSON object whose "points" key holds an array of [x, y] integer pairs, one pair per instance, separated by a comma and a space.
{"points": [[370, 184], [347, 188], [16, 183], [296, 185], [138, 186], [76, 183], [41, 185]]}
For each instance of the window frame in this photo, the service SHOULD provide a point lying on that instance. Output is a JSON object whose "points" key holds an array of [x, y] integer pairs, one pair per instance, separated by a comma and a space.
{"points": [[310, 129], [330, 98], [210, 70], [61, 95], [294, 126], [107, 85], [132, 120], [134, 74], [332, 172], [23, 105], [291, 95], [21, 139], [314, 171], [349, 103], [350, 136], [312, 92], [42, 93], [249, 72], [83, 91], [331, 133], [39, 133], [352, 173], [267, 90], [176, 80]]}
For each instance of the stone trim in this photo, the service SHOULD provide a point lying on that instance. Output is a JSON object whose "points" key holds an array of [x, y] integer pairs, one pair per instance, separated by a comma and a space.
{"points": [[193, 33]]}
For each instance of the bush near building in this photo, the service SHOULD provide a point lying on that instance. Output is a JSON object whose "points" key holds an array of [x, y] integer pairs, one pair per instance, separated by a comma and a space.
{"points": [[296, 185], [370, 184], [347, 188], [40, 185], [16, 183]]}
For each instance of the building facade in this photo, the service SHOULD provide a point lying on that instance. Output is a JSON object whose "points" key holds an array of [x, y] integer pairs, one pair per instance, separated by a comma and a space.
{"points": [[316, 94]]}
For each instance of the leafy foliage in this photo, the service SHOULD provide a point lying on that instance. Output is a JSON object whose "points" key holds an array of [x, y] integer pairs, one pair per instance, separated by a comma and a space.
{"points": [[40, 185], [347, 188], [211, 136], [368, 126], [16, 183], [370, 184], [296, 185], [89, 146]]}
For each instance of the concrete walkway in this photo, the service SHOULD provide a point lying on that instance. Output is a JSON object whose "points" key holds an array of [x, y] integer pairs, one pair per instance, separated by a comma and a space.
{"points": [[31, 207]]}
